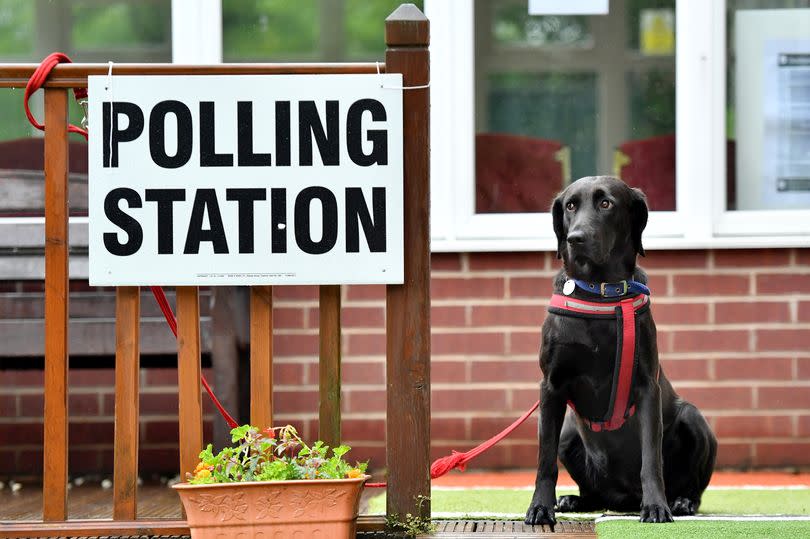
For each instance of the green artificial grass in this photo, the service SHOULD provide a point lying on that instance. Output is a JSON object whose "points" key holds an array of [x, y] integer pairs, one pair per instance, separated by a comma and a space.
{"points": [[747, 502], [715, 529], [511, 501]]}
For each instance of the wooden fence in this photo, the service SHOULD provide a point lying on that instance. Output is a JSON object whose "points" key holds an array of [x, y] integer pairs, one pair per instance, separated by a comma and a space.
{"points": [[407, 312]]}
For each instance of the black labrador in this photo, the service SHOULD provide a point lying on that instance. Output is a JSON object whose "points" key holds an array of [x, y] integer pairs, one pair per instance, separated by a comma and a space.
{"points": [[662, 457]]}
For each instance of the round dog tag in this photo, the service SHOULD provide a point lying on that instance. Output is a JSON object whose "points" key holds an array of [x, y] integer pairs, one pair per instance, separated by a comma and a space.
{"points": [[568, 287]]}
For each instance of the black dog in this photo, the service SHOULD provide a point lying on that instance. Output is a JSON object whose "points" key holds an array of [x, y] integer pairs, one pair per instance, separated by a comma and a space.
{"points": [[660, 454]]}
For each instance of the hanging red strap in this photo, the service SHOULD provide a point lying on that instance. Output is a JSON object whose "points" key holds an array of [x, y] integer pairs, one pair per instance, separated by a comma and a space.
{"points": [[625, 382], [163, 303], [459, 460], [38, 79], [35, 83]]}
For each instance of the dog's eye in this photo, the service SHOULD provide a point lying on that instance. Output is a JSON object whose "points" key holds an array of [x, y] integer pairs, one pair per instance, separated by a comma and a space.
{"points": [[605, 204], [570, 206]]}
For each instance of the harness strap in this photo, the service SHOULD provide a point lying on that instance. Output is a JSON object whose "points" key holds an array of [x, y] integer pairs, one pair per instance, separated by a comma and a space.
{"points": [[624, 312], [593, 309], [628, 355]]}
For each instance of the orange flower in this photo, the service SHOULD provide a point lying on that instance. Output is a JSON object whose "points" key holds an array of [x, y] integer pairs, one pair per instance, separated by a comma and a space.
{"points": [[205, 472], [199, 467], [268, 433], [354, 473]]}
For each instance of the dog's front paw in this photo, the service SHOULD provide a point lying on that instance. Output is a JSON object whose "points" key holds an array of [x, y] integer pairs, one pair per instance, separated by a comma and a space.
{"points": [[540, 514], [683, 506], [568, 504], [655, 513]]}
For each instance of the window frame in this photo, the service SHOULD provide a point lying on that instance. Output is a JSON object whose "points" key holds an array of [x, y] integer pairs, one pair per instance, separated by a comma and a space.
{"points": [[698, 222]]}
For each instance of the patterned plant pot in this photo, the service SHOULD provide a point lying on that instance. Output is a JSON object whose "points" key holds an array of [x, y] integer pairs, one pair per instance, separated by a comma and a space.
{"points": [[324, 509]]}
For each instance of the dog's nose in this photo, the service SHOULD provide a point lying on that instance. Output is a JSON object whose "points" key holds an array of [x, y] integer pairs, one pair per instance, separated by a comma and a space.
{"points": [[577, 237]]}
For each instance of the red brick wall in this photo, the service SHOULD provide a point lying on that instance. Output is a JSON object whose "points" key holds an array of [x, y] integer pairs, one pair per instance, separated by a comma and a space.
{"points": [[91, 408], [734, 337]]}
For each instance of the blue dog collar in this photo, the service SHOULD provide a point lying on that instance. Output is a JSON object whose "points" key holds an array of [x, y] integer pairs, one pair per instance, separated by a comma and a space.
{"points": [[610, 290]]}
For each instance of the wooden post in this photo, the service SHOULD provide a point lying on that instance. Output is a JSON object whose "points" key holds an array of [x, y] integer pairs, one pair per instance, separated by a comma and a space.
{"points": [[230, 331], [329, 370], [261, 356], [407, 33], [188, 375], [54, 485], [127, 363]]}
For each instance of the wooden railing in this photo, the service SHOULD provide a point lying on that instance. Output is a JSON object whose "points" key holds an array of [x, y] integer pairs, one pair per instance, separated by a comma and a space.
{"points": [[407, 312]]}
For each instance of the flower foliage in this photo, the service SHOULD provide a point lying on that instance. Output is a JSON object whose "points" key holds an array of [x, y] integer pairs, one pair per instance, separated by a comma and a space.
{"points": [[272, 454]]}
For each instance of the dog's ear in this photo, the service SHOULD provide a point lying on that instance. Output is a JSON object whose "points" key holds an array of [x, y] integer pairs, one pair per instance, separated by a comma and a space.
{"points": [[557, 216], [638, 219]]}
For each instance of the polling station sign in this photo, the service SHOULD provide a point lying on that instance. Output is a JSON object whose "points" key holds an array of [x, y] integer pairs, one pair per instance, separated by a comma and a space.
{"points": [[245, 180]]}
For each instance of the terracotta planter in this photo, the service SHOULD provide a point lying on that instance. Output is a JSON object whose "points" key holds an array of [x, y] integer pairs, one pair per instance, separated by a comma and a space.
{"points": [[325, 509]]}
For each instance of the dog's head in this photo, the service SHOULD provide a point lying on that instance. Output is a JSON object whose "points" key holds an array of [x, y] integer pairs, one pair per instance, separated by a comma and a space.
{"points": [[598, 221]]}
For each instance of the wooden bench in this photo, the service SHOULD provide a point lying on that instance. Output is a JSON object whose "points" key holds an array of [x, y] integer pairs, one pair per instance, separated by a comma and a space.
{"points": [[223, 310], [92, 309], [22, 270]]}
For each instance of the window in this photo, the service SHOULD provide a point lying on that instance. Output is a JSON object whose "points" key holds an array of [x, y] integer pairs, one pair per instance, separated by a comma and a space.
{"points": [[562, 97], [524, 103], [117, 30], [304, 31], [85, 30]]}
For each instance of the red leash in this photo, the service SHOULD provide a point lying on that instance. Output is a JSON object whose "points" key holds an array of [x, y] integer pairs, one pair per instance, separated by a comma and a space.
{"points": [[163, 303], [437, 469], [38, 79], [35, 83], [459, 460]]}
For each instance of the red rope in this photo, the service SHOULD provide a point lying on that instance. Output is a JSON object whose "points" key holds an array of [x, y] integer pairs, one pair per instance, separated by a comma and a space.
{"points": [[38, 79], [35, 83], [459, 460], [163, 303]]}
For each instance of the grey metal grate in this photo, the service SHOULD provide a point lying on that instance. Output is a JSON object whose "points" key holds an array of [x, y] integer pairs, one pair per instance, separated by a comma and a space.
{"points": [[480, 529], [501, 528], [461, 529]]}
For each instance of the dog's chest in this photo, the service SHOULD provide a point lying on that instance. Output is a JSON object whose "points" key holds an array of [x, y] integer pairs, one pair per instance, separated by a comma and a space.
{"points": [[582, 362]]}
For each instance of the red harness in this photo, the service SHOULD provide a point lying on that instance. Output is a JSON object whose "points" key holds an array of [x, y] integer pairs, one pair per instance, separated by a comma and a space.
{"points": [[624, 312]]}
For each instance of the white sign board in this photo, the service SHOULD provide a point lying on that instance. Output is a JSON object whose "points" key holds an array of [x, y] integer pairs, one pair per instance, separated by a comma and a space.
{"points": [[772, 102], [568, 7], [226, 180]]}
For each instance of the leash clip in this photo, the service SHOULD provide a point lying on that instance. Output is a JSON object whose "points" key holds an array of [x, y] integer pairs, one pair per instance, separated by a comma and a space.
{"points": [[83, 104]]}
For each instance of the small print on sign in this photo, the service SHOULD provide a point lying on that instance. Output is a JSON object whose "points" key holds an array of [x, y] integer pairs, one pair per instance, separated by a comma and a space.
{"points": [[245, 180]]}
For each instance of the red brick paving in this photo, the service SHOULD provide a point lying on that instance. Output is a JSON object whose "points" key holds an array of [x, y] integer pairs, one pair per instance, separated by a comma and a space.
{"points": [[525, 478]]}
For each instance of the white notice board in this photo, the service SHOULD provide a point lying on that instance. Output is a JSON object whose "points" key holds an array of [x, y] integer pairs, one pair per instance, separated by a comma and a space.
{"points": [[772, 108], [245, 180]]}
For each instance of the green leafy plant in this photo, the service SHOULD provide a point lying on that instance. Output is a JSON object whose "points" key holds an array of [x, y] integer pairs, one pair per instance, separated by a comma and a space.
{"points": [[412, 525], [272, 454]]}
